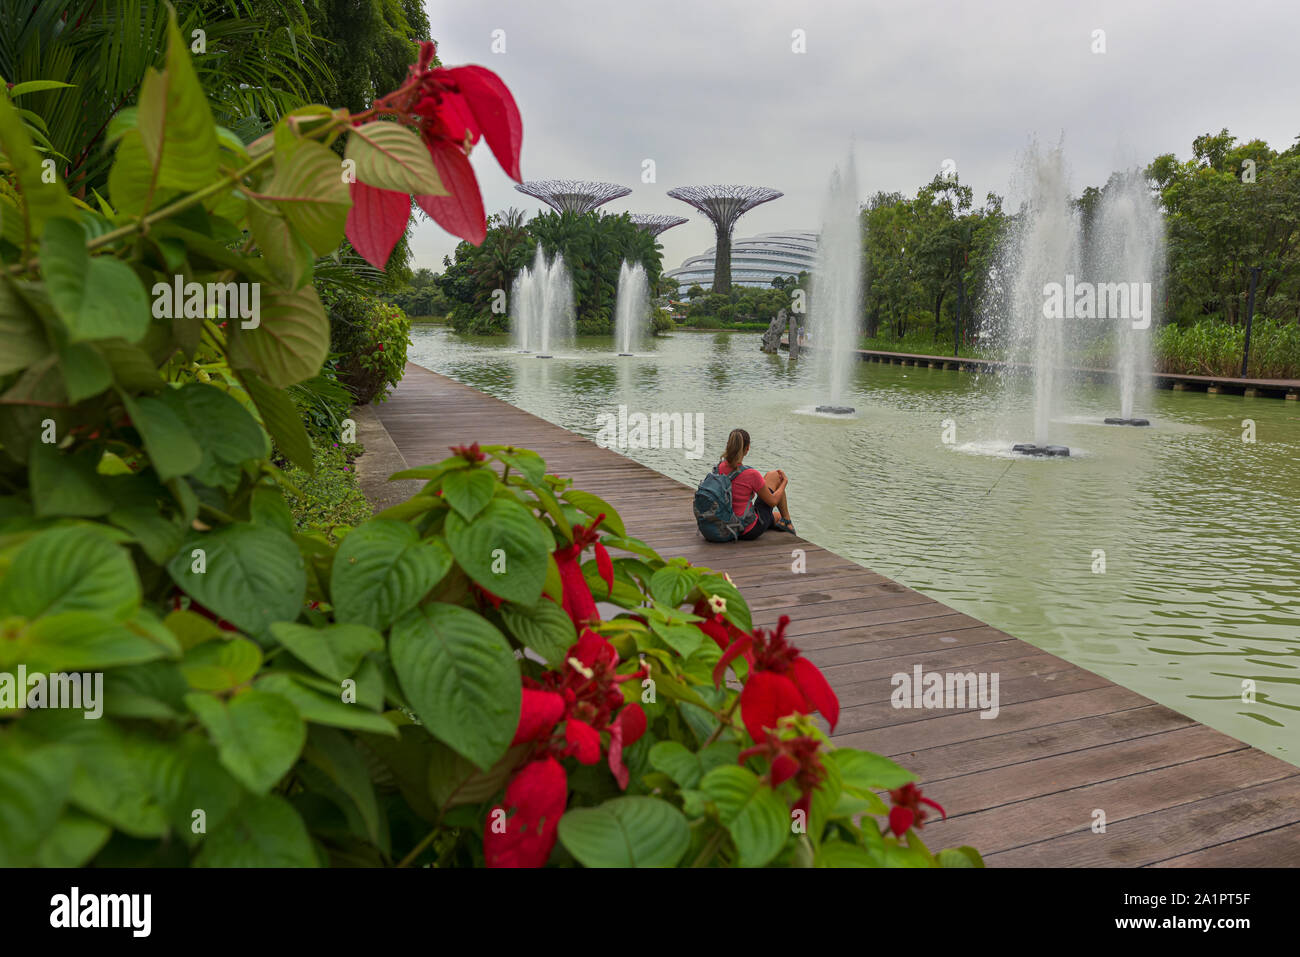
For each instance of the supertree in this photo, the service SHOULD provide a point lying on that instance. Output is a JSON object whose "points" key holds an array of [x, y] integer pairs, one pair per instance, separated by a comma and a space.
{"points": [[656, 223], [724, 205], [572, 195]]}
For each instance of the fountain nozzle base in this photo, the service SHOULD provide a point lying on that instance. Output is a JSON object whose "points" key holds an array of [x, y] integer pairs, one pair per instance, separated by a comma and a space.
{"points": [[1052, 451], [836, 409], [626, 354], [1115, 420], [540, 356]]}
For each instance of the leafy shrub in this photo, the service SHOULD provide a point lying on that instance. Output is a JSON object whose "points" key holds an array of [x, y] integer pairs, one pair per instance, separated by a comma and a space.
{"points": [[370, 337], [329, 496], [1213, 347], [435, 685]]}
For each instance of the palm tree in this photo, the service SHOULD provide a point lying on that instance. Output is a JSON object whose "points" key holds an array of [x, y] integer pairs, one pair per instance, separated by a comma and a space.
{"points": [[259, 60]]}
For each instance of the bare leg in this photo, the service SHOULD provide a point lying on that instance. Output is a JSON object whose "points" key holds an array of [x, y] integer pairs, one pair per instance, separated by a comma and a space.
{"points": [[773, 480]]}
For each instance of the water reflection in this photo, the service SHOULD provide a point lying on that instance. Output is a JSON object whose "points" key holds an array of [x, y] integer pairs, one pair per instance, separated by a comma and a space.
{"points": [[1200, 588]]}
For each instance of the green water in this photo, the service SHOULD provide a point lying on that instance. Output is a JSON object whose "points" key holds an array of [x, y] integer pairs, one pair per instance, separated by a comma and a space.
{"points": [[1200, 529]]}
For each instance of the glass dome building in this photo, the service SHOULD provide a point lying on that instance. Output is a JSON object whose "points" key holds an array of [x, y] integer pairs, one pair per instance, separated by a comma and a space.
{"points": [[755, 261]]}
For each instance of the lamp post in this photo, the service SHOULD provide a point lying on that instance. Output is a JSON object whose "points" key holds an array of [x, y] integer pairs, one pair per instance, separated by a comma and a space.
{"points": [[1250, 315]]}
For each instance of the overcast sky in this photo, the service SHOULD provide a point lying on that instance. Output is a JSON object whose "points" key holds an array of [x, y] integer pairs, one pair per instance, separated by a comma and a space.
{"points": [[712, 91]]}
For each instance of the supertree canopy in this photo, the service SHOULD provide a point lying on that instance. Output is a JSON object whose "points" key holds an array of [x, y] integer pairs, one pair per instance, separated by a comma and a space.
{"points": [[572, 195], [723, 205], [656, 223]]}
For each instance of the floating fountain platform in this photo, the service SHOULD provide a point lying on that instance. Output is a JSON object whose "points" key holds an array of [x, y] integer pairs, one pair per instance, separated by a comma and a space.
{"points": [[540, 356], [628, 354], [836, 409], [1053, 451], [1115, 420]]}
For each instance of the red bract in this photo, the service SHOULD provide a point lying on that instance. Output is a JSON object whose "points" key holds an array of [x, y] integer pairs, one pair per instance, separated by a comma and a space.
{"points": [[907, 811], [791, 758], [715, 625], [520, 831], [575, 592], [564, 714], [451, 109], [780, 682], [376, 221], [470, 453]]}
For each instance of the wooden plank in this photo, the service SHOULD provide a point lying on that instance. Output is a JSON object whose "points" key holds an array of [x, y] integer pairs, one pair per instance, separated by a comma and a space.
{"points": [[1020, 787]]}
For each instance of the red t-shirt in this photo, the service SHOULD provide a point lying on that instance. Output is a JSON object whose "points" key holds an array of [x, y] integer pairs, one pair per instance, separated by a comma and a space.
{"points": [[744, 488]]}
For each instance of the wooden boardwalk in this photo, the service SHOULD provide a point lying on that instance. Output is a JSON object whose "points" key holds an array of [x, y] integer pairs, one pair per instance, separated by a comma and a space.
{"points": [[1023, 787]]}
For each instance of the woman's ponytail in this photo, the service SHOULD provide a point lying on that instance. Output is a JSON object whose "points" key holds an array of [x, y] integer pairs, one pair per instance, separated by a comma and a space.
{"points": [[737, 446]]}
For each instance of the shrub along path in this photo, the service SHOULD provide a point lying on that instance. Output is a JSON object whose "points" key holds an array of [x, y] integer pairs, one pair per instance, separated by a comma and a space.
{"points": [[1024, 787]]}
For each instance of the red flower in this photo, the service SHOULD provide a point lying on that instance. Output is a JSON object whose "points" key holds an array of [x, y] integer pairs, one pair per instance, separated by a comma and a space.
{"points": [[780, 682], [470, 453], [791, 758], [715, 625], [451, 109], [520, 831], [907, 811], [575, 592], [564, 714]]}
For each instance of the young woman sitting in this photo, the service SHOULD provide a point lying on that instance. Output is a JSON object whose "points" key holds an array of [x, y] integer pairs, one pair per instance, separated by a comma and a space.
{"points": [[767, 492]]}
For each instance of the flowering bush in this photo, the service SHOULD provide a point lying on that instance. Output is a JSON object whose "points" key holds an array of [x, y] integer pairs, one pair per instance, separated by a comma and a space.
{"points": [[434, 685], [370, 338]]}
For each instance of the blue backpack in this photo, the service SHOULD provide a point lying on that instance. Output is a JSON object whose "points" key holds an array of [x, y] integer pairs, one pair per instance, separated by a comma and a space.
{"points": [[714, 514]]}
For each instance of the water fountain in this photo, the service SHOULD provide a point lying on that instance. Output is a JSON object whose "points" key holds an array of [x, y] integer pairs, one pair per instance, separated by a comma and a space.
{"points": [[542, 305], [631, 307], [836, 289], [1126, 244], [1043, 250]]}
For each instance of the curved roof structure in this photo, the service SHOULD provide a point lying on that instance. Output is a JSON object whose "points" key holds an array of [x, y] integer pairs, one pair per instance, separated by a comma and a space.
{"points": [[572, 195], [656, 223], [724, 204], [755, 260]]}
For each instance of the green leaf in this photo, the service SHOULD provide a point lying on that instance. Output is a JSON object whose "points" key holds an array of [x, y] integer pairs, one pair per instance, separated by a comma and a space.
{"points": [[757, 819], [594, 505], [626, 832], [863, 771], [173, 451], [308, 188], [70, 569], [85, 373], [525, 461], [175, 124], [73, 641], [335, 651], [469, 491], [964, 856], [75, 839], [842, 854], [131, 181], [504, 550], [37, 86], [461, 679], [336, 755], [281, 419], [737, 608], [678, 762], [286, 253], [265, 832], [225, 431], [67, 483], [682, 638], [253, 575], [190, 778], [290, 341], [546, 628], [114, 779], [320, 708], [97, 298], [258, 735], [391, 156], [671, 584], [34, 785], [42, 201], [382, 570], [453, 781], [21, 330], [221, 665]]}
